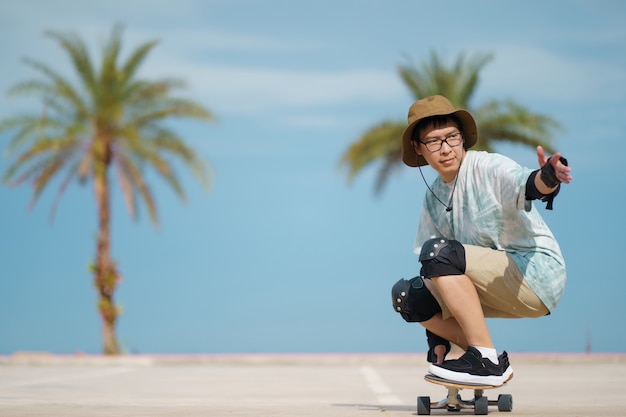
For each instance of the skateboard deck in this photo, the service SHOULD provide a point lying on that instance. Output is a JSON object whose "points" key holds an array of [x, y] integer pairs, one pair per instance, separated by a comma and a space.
{"points": [[461, 385], [453, 401]]}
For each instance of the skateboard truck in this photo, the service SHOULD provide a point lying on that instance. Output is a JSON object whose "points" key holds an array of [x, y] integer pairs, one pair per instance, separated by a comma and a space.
{"points": [[453, 401]]}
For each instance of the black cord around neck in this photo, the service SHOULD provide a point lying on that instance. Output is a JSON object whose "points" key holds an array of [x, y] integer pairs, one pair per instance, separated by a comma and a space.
{"points": [[449, 205]]}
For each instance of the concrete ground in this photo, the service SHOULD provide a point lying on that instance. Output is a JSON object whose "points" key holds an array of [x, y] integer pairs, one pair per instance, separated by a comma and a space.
{"points": [[291, 385]]}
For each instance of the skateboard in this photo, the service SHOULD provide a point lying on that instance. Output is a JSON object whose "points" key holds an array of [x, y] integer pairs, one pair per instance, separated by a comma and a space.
{"points": [[453, 401]]}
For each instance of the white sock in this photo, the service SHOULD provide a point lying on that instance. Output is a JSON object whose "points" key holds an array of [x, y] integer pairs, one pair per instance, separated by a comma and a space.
{"points": [[489, 353]]}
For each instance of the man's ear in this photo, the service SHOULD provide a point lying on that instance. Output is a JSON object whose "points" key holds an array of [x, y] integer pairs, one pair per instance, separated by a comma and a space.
{"points": [[416, 147]]}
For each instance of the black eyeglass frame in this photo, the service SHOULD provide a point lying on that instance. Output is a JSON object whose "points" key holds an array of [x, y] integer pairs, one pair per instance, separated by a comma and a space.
{"points": [[451, 136]]}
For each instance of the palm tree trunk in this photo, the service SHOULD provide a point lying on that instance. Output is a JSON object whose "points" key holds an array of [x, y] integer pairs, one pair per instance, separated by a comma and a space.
{"points": [[105, 271]]}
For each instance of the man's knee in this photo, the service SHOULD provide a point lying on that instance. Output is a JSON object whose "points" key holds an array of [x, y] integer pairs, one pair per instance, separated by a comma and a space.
{"points": [[440, 256], [413, 300]]}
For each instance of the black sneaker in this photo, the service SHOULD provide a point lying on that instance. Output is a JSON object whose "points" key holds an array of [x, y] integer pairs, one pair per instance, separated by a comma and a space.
{"points": [[472, 368]]}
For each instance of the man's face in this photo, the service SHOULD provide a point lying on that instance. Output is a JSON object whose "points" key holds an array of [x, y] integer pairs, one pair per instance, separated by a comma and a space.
{"points": [[447, 159]]}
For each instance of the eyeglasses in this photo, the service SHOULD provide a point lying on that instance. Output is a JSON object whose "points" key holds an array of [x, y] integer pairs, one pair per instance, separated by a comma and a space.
{"points": [[453, 139]]}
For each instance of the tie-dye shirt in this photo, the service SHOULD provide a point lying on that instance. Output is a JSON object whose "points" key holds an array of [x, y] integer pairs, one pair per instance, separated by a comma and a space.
{"points": [[490, 210]]}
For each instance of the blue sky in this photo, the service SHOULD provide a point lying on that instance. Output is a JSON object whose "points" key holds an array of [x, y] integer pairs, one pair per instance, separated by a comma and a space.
{"points": [[283, 255]]}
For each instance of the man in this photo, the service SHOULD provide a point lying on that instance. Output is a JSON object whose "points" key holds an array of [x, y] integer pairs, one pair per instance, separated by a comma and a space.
{"points": [[485, 250]]}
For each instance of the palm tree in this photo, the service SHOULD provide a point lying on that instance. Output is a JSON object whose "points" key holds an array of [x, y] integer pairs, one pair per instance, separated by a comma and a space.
{"points": [[497, 120], [110, 121]]}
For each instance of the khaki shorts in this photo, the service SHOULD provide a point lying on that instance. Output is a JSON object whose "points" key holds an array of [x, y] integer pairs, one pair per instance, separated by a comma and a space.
{"points": [[502, 289]]}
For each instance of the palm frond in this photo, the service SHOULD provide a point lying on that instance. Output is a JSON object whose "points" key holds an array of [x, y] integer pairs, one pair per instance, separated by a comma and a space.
{"points": [[388, 167], [134, 181], [377, 143], [139, 54], [172, 108], [124, 177], [54, 91], [111, 117], [497, 121], [79, 55], [70, 175]]}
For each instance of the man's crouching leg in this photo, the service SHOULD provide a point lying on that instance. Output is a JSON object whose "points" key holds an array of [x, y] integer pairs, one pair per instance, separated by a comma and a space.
{"points": [[415, 303], [441, 257]]}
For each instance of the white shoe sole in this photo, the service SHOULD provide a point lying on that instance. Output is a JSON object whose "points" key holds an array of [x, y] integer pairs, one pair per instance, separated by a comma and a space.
{"points": [[508, 374], [462, 377]]}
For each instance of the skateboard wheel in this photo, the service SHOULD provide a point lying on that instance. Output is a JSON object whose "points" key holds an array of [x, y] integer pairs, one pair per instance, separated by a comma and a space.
{"points": [[505, 402], [481, 406], [423, 406]]}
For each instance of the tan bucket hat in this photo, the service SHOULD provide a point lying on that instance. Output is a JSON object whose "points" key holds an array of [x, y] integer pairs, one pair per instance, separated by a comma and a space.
{"points": [[435, 106]]}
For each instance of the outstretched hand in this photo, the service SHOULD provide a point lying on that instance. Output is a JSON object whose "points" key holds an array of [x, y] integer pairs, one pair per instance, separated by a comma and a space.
{"points": [[562, 172]]}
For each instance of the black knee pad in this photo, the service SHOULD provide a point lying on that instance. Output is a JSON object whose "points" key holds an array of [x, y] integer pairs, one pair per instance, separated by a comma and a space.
{"points": [[440, 256], [413, 300]]}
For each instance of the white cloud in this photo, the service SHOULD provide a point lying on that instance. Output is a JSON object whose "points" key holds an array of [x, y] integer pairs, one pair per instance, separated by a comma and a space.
{"points": [[311, 121], [534, 73], [236, 86], [204, 41], [240, 88]]}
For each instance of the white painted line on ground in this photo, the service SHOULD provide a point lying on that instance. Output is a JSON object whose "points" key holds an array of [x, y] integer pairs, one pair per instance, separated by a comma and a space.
{"points": [[379, 387]]}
